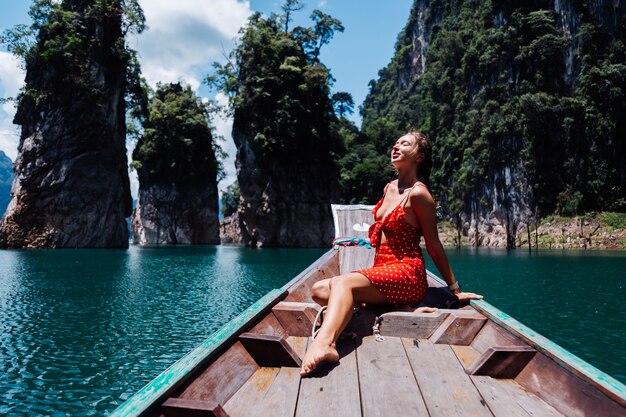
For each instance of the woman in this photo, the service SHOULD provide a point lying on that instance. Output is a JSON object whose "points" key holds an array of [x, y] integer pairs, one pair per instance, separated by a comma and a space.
{"points": [[404, 214]]}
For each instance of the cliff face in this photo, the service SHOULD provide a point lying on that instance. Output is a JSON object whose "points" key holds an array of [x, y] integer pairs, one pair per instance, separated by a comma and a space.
{"points": [[502, 91], [6, 178], [171, 214], [71, 187], [284, 203], [230, 230], [285, 133], [177, 169]]}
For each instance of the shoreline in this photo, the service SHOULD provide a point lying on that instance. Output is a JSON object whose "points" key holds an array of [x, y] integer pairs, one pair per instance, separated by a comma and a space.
{"points": [[591, 231]]}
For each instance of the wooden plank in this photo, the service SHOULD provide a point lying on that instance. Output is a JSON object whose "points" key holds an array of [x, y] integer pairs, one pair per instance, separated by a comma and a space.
{"points": [[298, 344], [467, 355], [506, 398], [361, 323], [251, 393], [409, 324], [178, 407], [440, 297], [504, 362], [161, 386], [222, 378], [269, 392], [296, 318], [569, 395], [352, 220], [332, 390], [352, 258], [446, 389], [493, 335], [388, 387], [326, 267], [459, 329], [604, 382], [270, 350], [282, 396], [269, 325], [416, 325]]}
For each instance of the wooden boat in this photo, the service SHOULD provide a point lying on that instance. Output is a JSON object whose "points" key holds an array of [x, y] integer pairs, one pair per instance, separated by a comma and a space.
{"points": [[474, 360]]}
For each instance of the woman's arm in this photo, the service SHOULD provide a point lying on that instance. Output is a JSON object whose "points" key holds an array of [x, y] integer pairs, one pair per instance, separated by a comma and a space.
{"points": [[423, 206]]}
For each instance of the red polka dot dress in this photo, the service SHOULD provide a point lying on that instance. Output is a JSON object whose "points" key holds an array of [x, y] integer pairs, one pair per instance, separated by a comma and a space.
{"points": [[398, 272]]}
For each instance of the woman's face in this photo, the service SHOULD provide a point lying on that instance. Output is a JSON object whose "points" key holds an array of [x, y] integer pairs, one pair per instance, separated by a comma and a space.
{"points": [[404, 151]]}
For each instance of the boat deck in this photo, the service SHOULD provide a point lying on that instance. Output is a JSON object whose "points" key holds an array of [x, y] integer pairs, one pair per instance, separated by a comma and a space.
{"points": [[459, 360], [398, 376]]}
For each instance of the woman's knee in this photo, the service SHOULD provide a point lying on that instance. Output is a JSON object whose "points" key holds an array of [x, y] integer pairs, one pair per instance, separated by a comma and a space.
{"points": [[339, 283], [321, 291]]}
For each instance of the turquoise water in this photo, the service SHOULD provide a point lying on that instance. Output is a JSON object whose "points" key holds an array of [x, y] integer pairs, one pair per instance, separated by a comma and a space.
{"points": [[81, 330], [575, 298]]}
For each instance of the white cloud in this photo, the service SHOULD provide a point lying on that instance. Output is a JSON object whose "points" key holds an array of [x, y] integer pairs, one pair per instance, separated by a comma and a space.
{"points": [[11, 79], [11, 74], [223, 127], [186, 36], [183, 39]]}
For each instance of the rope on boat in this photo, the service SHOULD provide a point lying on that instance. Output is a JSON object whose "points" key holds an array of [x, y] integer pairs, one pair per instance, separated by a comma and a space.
{"points": [[376, 329], [320, 317]]}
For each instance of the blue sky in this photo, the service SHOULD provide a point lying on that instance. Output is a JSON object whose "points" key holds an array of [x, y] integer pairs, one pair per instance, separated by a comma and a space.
{"points": [[185, 36]]}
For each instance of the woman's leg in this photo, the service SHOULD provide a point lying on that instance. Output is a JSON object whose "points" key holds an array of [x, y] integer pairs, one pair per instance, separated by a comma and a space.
{"points": [[321, 291], [344, 292]]}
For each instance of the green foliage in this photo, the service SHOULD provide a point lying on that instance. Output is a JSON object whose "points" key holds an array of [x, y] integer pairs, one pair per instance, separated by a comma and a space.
{"points": [[569, 203], [279, 91], [614, 220], [177, 145], [343, 103], [230, 199], [67, 37], [495, 95], [361, 167]]}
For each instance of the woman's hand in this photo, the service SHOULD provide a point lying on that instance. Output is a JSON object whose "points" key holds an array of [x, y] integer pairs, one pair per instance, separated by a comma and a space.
{"points": [[466, 296]]}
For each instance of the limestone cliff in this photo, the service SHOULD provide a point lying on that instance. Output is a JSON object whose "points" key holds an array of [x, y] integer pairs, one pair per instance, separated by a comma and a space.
{"points": [[71, 187], [171, 214], [230, 230], [283, 127], [284, 203], [177, 168], [512, 95]]}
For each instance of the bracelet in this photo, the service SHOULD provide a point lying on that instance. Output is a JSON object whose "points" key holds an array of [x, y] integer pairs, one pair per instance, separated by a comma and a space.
{"points": [[454, 286]]}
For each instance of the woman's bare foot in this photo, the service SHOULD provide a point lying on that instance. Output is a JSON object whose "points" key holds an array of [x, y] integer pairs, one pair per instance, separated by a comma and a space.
{"points": [[316, 353]]}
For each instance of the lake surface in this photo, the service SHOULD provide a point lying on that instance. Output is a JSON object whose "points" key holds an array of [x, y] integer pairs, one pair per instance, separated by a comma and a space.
{"points": [[82, 330]]}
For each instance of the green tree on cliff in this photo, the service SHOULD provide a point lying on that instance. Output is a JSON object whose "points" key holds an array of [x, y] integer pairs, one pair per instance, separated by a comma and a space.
{"points": [[230, 199], [58, 39], [72, 110], [177, 145], [494, 92], [279, 90], [285, 128]]}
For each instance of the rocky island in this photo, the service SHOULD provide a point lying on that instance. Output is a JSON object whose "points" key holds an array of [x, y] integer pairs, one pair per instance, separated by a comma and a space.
{"points": [[71, 186]]}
